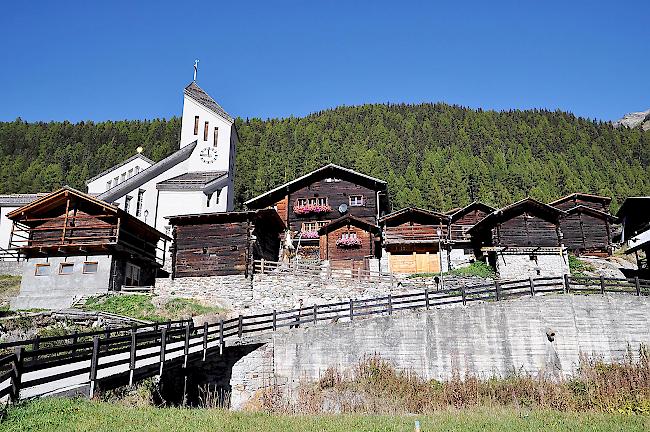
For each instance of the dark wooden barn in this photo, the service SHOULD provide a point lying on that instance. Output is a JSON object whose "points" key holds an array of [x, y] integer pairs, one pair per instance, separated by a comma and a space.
{"points": [[219, 244], [596, 202], [587, 231], [412, 238], [349, 242], [523, 239], [461, 247], [634, 216], [75, 244], [310, 202]]}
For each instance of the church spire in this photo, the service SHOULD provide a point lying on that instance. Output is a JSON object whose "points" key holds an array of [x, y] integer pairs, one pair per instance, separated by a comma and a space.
{"points": [[196, 68]]}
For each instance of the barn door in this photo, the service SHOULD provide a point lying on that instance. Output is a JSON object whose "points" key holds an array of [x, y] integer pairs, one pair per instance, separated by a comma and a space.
{"points": [[427, 263]]}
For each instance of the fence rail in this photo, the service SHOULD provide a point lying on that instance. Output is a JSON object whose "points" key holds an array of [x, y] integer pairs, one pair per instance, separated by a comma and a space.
{"points": [[315, 270], [43, 365]]}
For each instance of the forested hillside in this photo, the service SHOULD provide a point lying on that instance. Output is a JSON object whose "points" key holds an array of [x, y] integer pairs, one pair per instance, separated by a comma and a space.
{"points": [[433, 155]]}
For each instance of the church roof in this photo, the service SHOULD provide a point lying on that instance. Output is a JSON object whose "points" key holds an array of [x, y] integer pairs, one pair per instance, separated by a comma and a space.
{"points": [[199, 95], [144, 176], [192, 181], [134, 157], [18, 200]]}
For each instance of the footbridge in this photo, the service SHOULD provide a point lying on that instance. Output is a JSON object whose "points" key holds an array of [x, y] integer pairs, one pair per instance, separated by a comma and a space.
{"points": [[88, 361]]}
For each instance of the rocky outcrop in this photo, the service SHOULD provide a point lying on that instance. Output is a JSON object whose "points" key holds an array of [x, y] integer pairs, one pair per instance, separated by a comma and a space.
{"points": [[635, 119]]}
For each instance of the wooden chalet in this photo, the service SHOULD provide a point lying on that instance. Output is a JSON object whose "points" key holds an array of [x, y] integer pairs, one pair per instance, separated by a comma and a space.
{"points": [[413, 239], [523, 239], [74, 243], [218, 244], [310, 202], [349, 242], [587, 231], [596, 202], [462, 219]]}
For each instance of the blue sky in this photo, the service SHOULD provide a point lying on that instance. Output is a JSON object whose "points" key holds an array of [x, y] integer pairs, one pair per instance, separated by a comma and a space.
{"points": [[130, 59]]}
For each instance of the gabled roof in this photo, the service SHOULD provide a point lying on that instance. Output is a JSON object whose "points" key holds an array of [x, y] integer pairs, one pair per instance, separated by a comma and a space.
{"points": [[200, 96], [580, 195], [414, 212], [144, 176], [192, 181], [452, 211], [633, 205], [348, 219], [591, 211], [16, 200], [527, 204], [132, 158], [329, 170], [267, 215], [475, 205], [45, 205]]}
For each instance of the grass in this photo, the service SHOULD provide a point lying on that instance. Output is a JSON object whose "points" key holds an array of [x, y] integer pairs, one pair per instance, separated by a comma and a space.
{"points": [[577, 267], [475, 269], [140, 306], [59, 414], [9, 287]]}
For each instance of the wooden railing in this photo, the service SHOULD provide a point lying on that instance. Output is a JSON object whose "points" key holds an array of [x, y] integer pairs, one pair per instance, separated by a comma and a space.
{"points": [[315, 270], [40, 366]]}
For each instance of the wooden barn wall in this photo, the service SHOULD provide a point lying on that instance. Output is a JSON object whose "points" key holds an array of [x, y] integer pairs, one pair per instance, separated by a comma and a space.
{"points": [[225, 249], [583, 231], [525, 231], [74, 235], [595, 204], [267, 243], [282, 207], [330, 251], [471, 218], [337, 193]]}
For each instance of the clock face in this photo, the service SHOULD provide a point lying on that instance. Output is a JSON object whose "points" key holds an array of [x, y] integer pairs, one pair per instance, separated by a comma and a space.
{"points": [[208, 155]]}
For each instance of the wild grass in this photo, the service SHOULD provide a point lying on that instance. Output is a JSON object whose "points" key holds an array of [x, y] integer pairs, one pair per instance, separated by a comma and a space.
{"points": [[577, 267], [141, 306], [475, 269], [9, 287], [375, 386], [59, 414]]}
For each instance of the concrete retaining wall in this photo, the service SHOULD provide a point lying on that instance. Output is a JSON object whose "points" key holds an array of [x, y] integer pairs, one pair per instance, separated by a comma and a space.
{"points": [[13, 268], [488, 339]]}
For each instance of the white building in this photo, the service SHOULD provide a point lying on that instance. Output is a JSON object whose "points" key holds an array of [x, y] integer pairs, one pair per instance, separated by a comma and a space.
{"points": [[197, 178]]}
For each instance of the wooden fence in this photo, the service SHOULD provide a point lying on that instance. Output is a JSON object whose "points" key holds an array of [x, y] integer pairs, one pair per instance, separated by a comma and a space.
{"points": [[44, 365], [315, 270]]}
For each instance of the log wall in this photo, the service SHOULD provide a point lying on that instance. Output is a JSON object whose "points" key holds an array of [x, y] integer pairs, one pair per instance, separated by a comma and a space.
{"points": [[585, 232], [526, 230]]}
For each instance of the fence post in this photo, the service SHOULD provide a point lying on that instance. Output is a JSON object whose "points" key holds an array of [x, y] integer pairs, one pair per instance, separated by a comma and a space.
{"points": [[464, 294], [275, 321], [132, 359], [390, 304], [315, 314], [17, 367], [497, 288], [221, 337], [240, 326], [262, 265], [637, 285], [186, 351], [531, 282], [93, 365], [567, 283], [351, 309], [75, 339], [426, 297], [163, 348], [205, 339], [35, 345], [602, 284]]}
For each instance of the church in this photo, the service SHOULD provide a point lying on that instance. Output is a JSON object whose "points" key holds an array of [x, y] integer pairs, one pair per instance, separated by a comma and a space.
{"points": [[197, 178]]}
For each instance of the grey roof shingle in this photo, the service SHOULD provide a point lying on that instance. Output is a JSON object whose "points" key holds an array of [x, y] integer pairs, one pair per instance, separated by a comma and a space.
{"points": [[136, 156], [17, 200], [200, 96], [191, 180], [145, 175]]}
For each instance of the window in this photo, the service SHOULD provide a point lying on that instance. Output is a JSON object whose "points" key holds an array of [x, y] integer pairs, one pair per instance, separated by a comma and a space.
{"points": [[349, 235], [90, 267], [356, 200], [132, 277], [123, 177], [127, 203], [137, 169], [196, 125], [332, 180], [313, 201], [138, 204], [313, 226], [116, 180], [205, 131], [66, 268], [131, 173], [216, 136], [42, 270], [109, 184]]}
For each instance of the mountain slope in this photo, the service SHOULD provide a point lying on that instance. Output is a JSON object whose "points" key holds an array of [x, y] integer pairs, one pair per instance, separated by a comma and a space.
{"points": [[632, 120], [433, 155]]}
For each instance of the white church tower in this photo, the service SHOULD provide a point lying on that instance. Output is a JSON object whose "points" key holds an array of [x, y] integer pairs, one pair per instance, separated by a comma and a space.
{"points": [[197, 178]]}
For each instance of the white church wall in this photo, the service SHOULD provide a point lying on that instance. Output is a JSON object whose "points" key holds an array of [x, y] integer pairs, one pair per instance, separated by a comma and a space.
{"points": [[128, 170], [5, 226]]}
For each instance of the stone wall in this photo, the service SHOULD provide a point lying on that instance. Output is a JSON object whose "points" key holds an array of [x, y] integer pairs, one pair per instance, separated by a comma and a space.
{"points": [[13, 268], [481, 339], [521, 266]]}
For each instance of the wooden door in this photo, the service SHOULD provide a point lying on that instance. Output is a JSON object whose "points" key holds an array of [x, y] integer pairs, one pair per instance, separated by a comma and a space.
{"points": [[427, 263], [402, 263]]}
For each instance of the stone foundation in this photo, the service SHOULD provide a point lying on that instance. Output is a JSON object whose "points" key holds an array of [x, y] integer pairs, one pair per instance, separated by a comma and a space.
{"points": [[523, 266]]}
